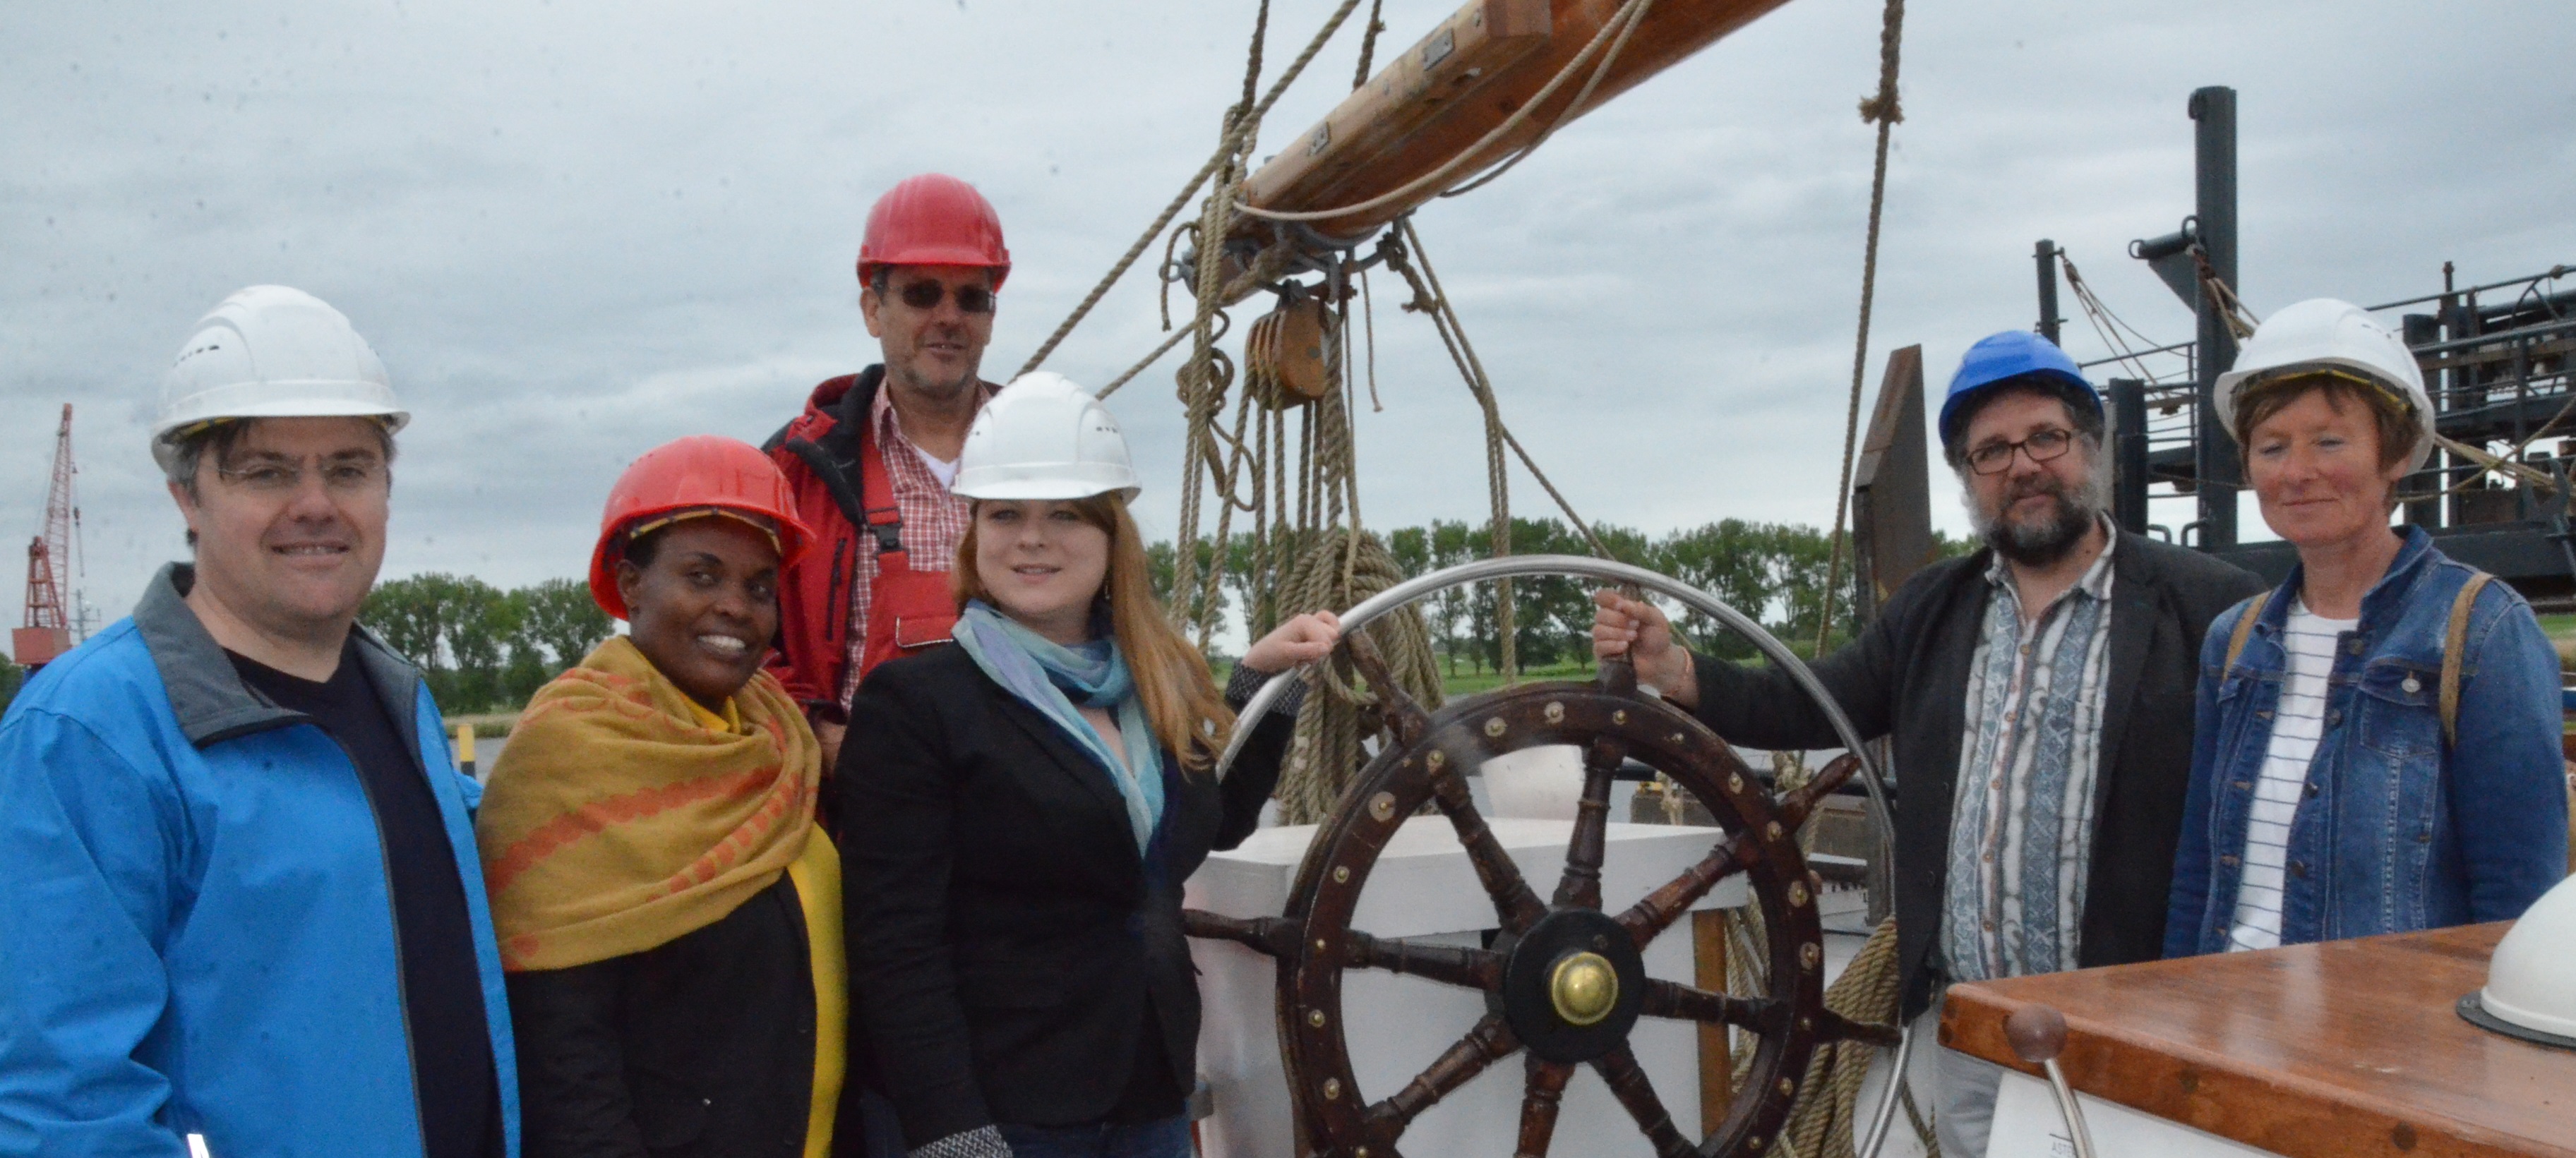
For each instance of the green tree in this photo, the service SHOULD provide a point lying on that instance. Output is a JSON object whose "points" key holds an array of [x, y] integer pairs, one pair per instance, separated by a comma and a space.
{"points": [[12, 677], [559, 622]]}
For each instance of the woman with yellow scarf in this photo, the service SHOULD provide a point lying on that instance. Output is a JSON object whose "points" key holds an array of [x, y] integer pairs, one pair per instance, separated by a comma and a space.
{"points": [[668, 911]]}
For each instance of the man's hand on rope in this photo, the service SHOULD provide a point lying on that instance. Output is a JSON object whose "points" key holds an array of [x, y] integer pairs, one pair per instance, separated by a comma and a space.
{"points": [[1305, 639], [1637, 629]]}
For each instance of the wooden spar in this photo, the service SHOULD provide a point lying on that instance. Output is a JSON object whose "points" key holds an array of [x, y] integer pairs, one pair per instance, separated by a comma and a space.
{"points": [[1443, 94]]}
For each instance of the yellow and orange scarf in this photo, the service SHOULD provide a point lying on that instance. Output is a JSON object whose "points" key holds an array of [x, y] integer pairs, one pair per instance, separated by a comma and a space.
{"points": [[622, 816]]}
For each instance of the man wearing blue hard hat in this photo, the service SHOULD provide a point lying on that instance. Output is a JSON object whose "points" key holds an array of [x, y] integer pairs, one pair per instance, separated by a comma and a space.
{"points": [[2038, 695]]}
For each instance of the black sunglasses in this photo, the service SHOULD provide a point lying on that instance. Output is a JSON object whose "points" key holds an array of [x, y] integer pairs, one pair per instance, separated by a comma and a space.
{"points": [[925, 295]]}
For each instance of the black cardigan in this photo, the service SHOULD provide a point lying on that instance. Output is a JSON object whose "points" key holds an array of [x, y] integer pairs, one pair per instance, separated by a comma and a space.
{"points": [[1907, 677], [1007, 945], [702, 1045]]}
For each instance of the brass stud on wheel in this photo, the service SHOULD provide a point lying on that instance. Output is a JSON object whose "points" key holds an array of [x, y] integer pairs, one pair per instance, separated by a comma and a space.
{"points": [[1770, 831], [1436, 759], [1332, 1089], [1315, 1017], [1797, 894], [1788, 1088], [1619, 717], [1811, 955], [1555, 712], [1734, 782], [1494, 725], [1341, 874], [1382, 806]]}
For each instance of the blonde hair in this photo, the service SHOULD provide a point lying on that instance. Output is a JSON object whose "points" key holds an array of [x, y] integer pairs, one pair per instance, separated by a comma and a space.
{"points": [[1172, 679]]}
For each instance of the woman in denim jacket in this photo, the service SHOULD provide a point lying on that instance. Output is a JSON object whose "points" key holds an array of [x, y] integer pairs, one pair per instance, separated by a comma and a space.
{"points": [[2332, 794]]}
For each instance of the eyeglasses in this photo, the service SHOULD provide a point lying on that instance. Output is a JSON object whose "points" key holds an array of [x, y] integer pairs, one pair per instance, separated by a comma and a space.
{"points": [[351, 475], [1996, 457], [925, 295]]}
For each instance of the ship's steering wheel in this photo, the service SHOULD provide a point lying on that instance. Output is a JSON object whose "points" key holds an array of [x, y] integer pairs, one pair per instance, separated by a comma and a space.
{"points": [[1564, 977]]}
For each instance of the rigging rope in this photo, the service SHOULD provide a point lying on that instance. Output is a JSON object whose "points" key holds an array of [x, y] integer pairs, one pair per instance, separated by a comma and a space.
{"points": [[1883, 109], [1238, 127]]}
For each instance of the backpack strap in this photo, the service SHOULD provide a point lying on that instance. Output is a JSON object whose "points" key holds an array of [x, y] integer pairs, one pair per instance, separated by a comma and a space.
{"points": [[2244, 630], [2451, 647]]}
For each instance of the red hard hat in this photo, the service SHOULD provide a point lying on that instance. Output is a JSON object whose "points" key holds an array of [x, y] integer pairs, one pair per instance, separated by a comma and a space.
{"points": [[934, 219], [698, 472]]}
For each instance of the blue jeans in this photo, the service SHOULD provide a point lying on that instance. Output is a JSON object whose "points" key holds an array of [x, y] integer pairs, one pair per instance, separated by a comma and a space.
{"points": [[1167, 1138]]}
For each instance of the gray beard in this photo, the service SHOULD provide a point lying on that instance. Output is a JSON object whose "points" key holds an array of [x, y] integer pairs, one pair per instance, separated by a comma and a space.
{"points": [[2072, 513]]}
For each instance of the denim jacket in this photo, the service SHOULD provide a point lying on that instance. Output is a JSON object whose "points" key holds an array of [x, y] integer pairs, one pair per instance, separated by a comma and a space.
{"points": [[2400, 828]]}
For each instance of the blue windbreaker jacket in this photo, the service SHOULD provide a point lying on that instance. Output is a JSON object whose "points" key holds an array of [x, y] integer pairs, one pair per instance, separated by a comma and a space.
{"points": [[2400, 829], [196, 925]]}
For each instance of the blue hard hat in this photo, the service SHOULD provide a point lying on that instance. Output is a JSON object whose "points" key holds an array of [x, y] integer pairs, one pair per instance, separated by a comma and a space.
{"points": [[2000, 358]]}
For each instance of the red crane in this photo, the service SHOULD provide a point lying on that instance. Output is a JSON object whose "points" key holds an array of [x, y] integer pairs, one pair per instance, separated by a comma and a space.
{"points": [[48, 632]]}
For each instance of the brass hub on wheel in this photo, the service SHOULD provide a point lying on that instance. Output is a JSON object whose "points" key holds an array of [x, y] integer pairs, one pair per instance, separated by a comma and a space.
{"points": [[1584, 988]]}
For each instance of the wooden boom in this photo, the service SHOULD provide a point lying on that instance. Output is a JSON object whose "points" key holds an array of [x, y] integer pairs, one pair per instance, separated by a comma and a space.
{"points": [[1451, 88]]}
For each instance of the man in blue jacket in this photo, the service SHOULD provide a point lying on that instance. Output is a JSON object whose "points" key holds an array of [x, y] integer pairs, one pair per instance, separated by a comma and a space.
{"points": [[242, 900]]}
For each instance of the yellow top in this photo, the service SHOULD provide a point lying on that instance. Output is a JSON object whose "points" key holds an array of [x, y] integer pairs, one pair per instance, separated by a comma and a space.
{"points": [[816, 874]]}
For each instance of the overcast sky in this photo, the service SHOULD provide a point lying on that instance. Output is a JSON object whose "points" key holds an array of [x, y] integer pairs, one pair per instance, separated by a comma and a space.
{"points": [[576, 230]]}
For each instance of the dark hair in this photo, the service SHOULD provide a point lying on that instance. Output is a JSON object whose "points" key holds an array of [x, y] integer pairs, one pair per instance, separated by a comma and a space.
{"points": [[2083, 410], [2263, 399], [641, 549]]}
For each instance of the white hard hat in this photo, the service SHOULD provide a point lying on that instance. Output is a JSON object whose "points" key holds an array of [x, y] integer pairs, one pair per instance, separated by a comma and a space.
{"points": [[2323, 333], [1043, 437], [273, 352], [2531, 980]]}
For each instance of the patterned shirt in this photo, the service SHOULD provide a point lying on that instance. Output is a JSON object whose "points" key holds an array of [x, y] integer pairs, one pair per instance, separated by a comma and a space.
{"points": [[2021, 831], [934, 522]]}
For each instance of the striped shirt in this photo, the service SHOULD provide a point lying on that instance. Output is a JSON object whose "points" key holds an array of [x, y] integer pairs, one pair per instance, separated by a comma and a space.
{"points": [[2022, 822], [934, 523], [2297, 724]]}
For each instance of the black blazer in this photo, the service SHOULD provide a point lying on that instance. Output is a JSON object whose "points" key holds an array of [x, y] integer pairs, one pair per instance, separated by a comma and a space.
{"points": [[701, 1046], [1906, 676], [1007, 943]]}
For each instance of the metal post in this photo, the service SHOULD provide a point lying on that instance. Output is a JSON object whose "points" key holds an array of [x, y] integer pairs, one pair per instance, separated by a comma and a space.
{"points": [[2213, 111], [2424, 330], [2046, 256], [2129, 454]]}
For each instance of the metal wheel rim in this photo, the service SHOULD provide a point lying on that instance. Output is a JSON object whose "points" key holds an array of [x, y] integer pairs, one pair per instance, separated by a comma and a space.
{"points": [[1536, 566]]}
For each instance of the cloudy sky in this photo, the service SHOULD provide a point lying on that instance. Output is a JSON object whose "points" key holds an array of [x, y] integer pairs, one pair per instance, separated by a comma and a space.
{"points": [[574, 230]]}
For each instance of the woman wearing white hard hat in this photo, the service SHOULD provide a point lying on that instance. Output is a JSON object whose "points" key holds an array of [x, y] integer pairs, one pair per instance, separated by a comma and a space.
{"points": [[1022, 808], [2377, 744]]}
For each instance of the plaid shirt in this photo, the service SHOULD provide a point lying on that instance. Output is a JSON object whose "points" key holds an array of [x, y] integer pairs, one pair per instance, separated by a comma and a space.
{"points": [[934, 523], [2021, 832]]}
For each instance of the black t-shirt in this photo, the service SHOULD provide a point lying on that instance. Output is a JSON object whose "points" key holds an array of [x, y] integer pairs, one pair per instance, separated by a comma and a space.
{"points": [[451, 1044]]}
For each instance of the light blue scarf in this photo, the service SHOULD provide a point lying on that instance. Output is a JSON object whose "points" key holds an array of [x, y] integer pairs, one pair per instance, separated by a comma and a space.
{"points": [[1054, 678]]}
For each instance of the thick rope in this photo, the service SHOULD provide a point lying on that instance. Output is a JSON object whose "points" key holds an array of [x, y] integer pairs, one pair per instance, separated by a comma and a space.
{"points": [[1326, 753], [1824, 1125], [1883, 109], [1239, 129]]}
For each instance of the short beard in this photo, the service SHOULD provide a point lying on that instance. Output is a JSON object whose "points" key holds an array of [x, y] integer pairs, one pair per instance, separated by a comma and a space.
{"points": [[2073, 511], [943, 392]]}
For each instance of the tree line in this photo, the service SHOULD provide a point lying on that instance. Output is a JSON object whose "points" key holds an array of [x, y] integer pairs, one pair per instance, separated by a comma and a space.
{"points": [[1772, 572], [482, 648]]}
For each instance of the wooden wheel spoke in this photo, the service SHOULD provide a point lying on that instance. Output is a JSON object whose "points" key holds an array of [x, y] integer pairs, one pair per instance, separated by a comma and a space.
{"points": [[1676, 1000], [1276, 936], [1581, 884], [1797, 804], [1538, 1106], [1405, 719], [1459, 965], [1650, 916], [1513, 901], [1489, 1042], [1836, 1027], [1629, 1084]]}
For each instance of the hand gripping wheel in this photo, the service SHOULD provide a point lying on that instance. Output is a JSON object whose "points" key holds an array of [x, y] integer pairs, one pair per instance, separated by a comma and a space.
{"points": [[1564, 979]]}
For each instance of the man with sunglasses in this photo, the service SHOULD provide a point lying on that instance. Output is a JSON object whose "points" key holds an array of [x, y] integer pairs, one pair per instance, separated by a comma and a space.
{"points": [[242, 898], [2038, 694], [874, 453]]}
